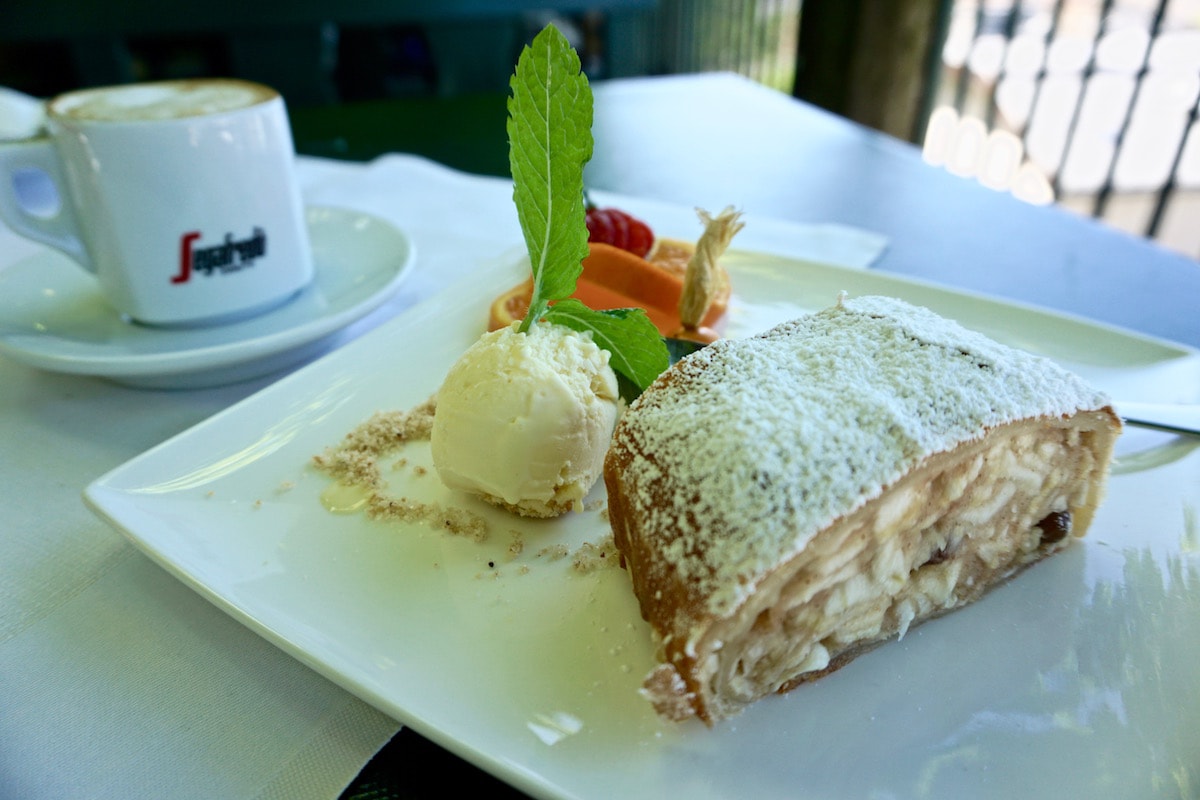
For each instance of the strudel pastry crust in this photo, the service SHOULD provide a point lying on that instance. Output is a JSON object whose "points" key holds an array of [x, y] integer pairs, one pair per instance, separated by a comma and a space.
{"points": [[784, 502]]}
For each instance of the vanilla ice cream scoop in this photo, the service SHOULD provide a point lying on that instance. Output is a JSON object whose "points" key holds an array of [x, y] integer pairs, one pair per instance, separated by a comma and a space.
{"points": [[524, 419]]}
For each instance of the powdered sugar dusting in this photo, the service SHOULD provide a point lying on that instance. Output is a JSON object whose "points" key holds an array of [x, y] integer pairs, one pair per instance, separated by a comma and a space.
{"points": [[778, 435]]}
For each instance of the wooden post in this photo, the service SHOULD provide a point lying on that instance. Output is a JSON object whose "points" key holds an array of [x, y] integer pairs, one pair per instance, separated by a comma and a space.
{"points": [[872, 61]]}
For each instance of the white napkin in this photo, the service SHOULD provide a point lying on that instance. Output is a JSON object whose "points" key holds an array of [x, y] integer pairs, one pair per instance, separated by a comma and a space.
{"points": [[117, 680], [476, 211], [461, 222]]}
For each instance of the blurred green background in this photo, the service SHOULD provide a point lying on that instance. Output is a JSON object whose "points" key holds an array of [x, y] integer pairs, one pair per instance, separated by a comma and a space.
{"points": [[365, 77]]}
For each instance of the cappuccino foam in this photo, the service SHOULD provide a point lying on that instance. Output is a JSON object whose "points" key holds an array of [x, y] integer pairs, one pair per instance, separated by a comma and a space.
{"points": [[163, 100]]}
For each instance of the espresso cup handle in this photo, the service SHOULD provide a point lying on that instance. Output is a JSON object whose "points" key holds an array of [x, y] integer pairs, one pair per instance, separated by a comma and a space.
{"points": [[57, 227]]}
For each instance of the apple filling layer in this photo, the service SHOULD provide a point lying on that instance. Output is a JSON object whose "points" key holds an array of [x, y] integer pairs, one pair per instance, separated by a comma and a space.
{"points": [[936, 540]]}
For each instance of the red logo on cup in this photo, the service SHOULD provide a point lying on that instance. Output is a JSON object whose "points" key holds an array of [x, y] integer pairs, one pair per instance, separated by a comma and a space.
{"points": [[229, 256], [185, 257]]}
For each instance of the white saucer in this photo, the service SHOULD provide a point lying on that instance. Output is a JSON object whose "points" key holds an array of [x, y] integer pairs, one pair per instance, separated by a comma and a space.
{"points": [[52, 315]]}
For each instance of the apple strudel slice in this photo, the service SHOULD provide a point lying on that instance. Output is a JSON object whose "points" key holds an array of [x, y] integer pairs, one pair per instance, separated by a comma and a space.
{"points": [[784, 502]]}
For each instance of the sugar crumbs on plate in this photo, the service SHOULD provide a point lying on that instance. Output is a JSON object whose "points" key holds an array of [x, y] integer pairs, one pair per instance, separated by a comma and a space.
{"points": [[359, 461], [355, 460], [591, 557]]}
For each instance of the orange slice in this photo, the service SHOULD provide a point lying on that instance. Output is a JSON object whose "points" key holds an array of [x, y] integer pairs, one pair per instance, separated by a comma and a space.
{"points": [[616, 278]]}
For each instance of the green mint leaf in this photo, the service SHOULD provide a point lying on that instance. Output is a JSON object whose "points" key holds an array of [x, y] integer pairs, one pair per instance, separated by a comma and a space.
{"points": [[636, 348], [550, 139]]}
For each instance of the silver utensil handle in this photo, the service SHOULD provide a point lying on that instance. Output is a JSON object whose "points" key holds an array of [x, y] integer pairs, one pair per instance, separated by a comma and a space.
{"points": [[1173, 417]]}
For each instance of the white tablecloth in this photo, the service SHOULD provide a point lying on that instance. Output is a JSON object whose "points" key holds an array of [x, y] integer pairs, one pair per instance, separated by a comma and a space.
{"points": [[116, 681]]}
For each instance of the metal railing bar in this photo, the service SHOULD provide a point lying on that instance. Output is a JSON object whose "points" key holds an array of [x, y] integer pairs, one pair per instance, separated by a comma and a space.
{"points": [[716, 45], [738, 31], [1010, 28], [1039, 78], [964, 72], [726, 40], [1168, 187], [670, 19], [1102, 197], [738, 61], [688, 37], [723, 41], [767, 9], [745, 25], [754, 37], [1085, 77], [701, 39]]}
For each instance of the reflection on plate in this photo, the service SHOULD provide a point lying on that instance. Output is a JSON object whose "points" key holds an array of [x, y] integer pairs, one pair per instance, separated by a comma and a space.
{"points": [[1078, 679], [52, 315]]}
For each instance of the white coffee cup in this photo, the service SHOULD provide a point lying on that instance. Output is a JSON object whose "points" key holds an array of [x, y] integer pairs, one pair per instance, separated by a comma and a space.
{"points": [[181, 197]]}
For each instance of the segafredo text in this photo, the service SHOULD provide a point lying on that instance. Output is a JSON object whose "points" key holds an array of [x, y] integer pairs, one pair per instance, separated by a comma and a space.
{"points": [[231, 255]]}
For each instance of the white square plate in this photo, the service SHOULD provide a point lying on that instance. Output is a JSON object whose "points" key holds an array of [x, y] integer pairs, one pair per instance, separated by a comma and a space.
{"points": [[1080, 678]]}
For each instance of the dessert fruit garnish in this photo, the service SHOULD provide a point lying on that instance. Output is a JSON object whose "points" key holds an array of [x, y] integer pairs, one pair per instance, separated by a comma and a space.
{"points": [[524, 417], [618, 228], [681, 285], [704, 282]]}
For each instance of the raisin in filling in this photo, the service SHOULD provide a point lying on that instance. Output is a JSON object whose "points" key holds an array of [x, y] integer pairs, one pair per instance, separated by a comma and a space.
{"points": [[1055, 527]]}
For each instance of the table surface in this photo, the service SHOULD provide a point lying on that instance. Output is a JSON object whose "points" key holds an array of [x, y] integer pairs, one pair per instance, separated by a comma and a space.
{"points": [[706, 141], [723, 141]]}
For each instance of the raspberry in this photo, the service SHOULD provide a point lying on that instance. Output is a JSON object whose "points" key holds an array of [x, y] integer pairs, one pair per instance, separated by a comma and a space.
{"points": [[620, 229]]}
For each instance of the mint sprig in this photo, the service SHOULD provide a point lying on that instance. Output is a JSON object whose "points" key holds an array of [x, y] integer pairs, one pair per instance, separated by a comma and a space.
{"points": [[550, 139]]}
